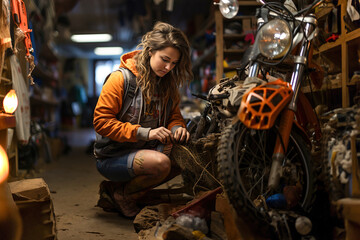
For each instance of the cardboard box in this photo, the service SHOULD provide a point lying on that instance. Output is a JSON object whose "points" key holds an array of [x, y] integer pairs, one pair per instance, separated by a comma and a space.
{"points": [[32, 196]]}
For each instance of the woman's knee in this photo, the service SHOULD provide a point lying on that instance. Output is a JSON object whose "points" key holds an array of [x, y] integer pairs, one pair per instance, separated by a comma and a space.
{"points": [[163, 164], [156, 164]]}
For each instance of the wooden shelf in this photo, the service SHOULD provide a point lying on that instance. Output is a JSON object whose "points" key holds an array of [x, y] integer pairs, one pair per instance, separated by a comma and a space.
{"points": [[224, 41], [231, 68], [307, 89], [36, 100], [238, 18], [352, 35], [352, 84], [324, 11], [327, 46], [7, 121], [234, 36], [233, 51], [249, 3], [341, 55], [342, 39], [45, 75], [7, 80]]}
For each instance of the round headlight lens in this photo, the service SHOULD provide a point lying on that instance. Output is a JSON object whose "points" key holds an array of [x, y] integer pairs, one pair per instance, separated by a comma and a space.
{"points": [[274, 39]]}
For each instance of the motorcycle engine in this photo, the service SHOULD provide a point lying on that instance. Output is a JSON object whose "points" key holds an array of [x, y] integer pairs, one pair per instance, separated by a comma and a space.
{"points": [[226, 96]]}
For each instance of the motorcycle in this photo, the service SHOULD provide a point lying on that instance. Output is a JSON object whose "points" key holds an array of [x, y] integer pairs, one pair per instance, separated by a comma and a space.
{"points": [[266, 125]]}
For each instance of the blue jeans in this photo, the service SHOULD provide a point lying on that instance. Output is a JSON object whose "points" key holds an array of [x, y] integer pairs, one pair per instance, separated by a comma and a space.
{"points": [[117, 169], [120, 169]]}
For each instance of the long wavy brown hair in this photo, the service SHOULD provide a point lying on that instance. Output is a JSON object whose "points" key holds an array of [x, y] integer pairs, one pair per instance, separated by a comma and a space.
{"points": [[162, 36]]}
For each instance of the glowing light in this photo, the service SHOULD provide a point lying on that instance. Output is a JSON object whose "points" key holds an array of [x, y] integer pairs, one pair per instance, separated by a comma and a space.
{"points": [[4, 165], [86, 38], [10, 102], [105, 51]]}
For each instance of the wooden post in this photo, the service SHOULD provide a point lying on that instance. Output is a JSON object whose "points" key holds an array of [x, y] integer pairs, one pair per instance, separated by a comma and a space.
{"points": [[349, 209], [344, 59], [219, 45], [355, 168]]}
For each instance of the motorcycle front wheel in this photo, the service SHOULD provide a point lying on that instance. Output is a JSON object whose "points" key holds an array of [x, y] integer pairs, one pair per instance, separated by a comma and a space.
{"points": [[244, 161]]}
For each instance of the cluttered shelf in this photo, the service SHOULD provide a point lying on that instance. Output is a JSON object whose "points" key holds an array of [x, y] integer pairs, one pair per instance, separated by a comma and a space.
{"points": [[207, 56], [343, 38], [330, 82], [308, 89], [37, 100], [234, 36], [324, 10]]}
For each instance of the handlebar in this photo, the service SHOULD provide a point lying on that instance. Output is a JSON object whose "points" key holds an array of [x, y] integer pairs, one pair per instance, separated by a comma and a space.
{"points": [[310, 7], [219, 96], [211, 97], [203, 97]]}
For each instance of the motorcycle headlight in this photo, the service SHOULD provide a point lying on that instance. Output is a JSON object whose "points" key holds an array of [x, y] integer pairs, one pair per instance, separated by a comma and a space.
{"points": [[275, 39]]}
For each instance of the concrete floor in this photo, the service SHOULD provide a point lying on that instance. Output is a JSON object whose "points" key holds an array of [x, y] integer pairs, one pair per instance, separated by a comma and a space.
{"points": [[73, 181]]}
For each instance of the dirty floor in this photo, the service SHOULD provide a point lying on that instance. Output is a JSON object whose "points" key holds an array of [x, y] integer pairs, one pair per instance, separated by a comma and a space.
{"points": [[73, 181]]}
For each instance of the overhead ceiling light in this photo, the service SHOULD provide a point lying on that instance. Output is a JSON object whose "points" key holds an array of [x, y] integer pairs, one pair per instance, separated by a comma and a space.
{"points": [[106, 51], [86, 38]]}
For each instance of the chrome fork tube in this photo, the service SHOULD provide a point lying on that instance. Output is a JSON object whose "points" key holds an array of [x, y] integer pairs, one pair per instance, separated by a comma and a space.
{"points": [[255, 66], [301, 59], [254, 70]]}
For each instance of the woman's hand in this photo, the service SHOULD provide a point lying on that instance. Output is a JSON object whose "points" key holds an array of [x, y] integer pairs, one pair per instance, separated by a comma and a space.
{"points": [[181, 135], [162, 134]]}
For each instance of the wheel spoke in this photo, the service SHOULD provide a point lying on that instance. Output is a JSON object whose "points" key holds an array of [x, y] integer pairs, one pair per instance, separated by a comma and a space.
{"points": [[291, 154], [253, 161], [254, 185], [257, 150], [247, 159]]}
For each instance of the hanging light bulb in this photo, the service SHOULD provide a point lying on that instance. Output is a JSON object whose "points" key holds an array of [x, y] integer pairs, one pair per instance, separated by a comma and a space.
{"points": [[228, 8], [10, 102], [4, 165]]}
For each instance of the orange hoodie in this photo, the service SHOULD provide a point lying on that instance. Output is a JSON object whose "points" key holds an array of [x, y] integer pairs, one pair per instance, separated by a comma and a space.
{"points": [[109, 105]]}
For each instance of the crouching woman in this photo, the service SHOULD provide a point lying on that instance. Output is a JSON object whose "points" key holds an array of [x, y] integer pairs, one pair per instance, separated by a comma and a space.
{"points": [[134, 134]]}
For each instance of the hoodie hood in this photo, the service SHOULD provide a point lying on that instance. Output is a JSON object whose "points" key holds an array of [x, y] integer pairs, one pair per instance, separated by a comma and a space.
{"points": [[127, 61]]}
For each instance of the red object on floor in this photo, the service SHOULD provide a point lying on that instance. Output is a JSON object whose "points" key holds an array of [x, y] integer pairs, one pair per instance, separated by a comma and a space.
{"points": [[200, 207]]}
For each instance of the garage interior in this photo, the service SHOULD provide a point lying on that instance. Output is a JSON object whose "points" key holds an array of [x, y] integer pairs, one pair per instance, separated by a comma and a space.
{"points": [[48, 179]]}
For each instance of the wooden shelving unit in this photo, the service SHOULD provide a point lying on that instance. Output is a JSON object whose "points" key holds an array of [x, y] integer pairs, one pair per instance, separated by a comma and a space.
{"points": [[343, 53], [7, 121], [223, 40]]}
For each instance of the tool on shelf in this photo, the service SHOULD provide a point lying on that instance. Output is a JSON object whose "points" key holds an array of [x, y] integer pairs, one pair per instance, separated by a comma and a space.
{"points": [[22, 33]]}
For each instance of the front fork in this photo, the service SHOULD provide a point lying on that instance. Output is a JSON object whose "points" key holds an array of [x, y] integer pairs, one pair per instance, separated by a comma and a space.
{"points": [[281, 144], [287, 117]]}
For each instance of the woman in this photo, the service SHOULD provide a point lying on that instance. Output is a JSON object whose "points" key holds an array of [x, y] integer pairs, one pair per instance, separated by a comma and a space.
{"points": [[143, 135]]}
